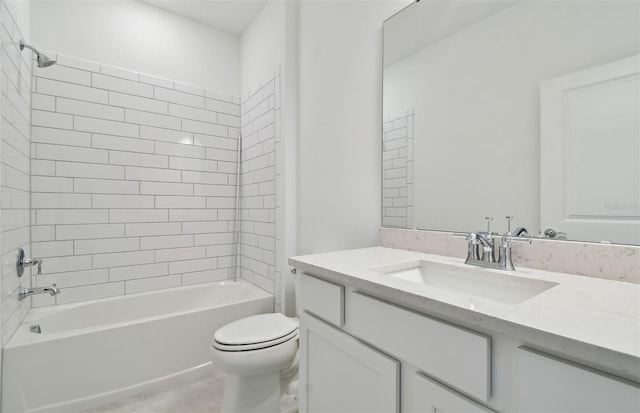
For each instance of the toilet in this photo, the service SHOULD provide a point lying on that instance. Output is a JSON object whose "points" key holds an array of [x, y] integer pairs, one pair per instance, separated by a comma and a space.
{"points": [[260, 356]]}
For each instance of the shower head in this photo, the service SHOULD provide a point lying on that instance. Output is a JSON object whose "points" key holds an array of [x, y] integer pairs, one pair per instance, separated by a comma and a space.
{"points": [[43, 60]]}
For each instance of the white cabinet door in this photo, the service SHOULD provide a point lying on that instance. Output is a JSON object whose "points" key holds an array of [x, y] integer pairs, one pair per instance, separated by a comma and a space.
{"points": [[340, 374], [549, 385], [422, 394]]}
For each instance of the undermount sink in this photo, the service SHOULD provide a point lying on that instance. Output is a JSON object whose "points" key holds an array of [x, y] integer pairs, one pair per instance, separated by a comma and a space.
{"points": [[505, 288]]}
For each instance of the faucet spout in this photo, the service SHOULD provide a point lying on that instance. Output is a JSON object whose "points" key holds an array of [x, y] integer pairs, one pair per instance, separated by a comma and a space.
{"points": [[26, 292]]}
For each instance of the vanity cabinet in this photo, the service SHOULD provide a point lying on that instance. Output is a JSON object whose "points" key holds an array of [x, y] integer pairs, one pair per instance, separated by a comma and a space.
{"points": [[359, 353]]}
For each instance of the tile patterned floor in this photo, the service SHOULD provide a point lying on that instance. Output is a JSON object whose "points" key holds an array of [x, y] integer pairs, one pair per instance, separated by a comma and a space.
{"points": [[199, 391]]}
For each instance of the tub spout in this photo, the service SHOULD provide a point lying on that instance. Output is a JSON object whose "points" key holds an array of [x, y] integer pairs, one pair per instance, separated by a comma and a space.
{"points": [[25, 292]]}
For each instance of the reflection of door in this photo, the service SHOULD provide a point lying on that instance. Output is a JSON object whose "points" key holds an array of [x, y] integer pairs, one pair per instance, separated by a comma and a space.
{"points": [[590, 153]]}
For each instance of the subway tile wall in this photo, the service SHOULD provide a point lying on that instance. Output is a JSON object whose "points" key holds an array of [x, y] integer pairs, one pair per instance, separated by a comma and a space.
{"points": [[133, 182], [397, 171], [258, 235], [15, 71]]}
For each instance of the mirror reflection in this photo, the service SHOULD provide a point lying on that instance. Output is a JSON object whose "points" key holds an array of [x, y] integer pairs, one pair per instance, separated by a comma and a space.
{"points": [[514, 108]]}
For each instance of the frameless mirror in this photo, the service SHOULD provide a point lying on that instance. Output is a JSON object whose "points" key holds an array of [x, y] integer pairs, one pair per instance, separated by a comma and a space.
{"points": [[523, 108]]}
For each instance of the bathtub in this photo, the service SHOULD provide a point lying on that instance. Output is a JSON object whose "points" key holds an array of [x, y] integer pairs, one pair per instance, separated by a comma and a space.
{"points": [[95, 352]]}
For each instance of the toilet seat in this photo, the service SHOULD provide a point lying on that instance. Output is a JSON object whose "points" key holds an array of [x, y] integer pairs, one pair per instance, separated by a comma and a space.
{"points": [[256, 332]]}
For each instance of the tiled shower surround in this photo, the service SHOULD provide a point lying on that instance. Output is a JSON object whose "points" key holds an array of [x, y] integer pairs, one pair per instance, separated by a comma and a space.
{"points": [[397, 171], [133, 182], [260, 124], [15, 69]]}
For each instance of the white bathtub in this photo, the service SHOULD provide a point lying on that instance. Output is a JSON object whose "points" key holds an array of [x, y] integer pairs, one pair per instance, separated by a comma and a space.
{"points": [[94, 352]]}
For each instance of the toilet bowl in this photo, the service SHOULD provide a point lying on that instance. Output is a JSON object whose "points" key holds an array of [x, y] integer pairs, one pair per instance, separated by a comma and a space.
{"points": [[259, 355]]}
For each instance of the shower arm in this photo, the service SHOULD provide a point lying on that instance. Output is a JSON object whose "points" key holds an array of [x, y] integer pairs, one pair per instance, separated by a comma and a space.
{"points": [[33, 49]]}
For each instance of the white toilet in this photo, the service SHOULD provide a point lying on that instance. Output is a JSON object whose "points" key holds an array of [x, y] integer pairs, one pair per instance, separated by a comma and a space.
{"points": [[259, 355]]}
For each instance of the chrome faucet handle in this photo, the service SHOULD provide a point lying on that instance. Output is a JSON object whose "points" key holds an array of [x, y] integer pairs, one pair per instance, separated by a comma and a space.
{"points": [[509, 218], [488, 219]]}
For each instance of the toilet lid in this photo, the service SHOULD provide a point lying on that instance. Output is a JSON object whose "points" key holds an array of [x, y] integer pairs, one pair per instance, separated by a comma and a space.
{"points": [[257, 346], [257, 329]]}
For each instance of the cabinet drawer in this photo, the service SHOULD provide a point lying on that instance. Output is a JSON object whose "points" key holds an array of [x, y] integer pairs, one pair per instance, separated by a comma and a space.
{"points": [[548, 384], [451, 354], [321, 298], [422, 394]]}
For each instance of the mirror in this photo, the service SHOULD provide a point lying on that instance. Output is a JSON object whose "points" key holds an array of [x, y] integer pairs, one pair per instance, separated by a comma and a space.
{"points": [[523, 108]]}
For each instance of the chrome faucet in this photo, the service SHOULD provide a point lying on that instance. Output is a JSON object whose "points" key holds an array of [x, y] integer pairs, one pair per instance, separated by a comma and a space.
{"points": [[23, 261], [25, 292], [487, 240]]}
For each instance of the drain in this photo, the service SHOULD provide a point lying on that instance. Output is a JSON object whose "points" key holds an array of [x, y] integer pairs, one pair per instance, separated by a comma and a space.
{"points": [[35, 329]]}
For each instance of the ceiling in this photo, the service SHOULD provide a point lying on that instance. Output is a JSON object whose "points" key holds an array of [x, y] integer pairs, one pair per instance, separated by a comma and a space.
{"points": [[232, 16]]}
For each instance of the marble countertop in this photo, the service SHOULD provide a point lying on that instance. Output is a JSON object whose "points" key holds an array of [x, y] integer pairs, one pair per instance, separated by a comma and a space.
{"points": [[601, 314]]}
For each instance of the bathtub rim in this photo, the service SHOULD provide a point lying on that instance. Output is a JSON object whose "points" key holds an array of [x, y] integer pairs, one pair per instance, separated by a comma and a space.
{"points": [[24, 337]]}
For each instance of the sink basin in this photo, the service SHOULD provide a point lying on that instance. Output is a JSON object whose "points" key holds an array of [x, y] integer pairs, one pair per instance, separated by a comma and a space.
{"points": [[505, 288]]}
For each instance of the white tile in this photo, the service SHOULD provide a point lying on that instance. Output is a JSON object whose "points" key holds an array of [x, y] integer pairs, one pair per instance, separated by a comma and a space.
{"points": [[51, 119], [106, 127], [194, 90], [193, 265], [68, 90], [222, 154], [121, 144], [138, 271], [204, 178], [151, 284], [214, 94], [200, 227], [166, 135], [180, 202], [156, 81], [49, 200], [137, 102], [214, 190], [72, 216], [74, 278], [122, 201], [43, 233], [192, 164], [120, 259], [51, 184], [221, 202], [205, 276], [179, 97], [228, 120], [138, 215], [122, 85], [163, 188], [119, 72], [188, 112], [215, 142], [66, 264], [105, 186], [91, 292], [93, 110], [63, 74], [168, 241], [192, 215], [60, 136], [151, 174], [78, 63], [89, 231], [223, 107], [152, 119], [86, 170], [197, 126], [176, 149], [138, 159], [100, 246], [51, 249], [220, 250], [43, 102], [177, 254], [71, 153], [150, 229]]}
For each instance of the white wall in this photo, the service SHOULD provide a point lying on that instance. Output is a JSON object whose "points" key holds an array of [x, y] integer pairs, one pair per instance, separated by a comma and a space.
{"points": [[340, 123], [139, 37], [476, 105]]}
